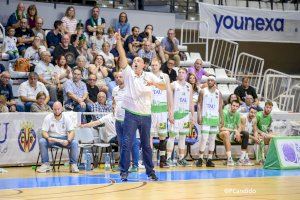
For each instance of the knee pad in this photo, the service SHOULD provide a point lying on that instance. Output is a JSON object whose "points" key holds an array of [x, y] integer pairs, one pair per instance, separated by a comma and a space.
{"points": [[203, 142], [211, 142], [181, 142]]}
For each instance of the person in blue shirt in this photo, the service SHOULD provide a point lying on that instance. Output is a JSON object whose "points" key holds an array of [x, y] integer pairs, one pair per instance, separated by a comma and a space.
{"points": [[53, 38], [14, 18], [123, 26]]}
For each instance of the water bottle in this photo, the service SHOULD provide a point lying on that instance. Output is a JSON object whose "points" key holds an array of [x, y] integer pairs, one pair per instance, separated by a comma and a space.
{"points": [[107, 162], [113, 157], [88, 160]]}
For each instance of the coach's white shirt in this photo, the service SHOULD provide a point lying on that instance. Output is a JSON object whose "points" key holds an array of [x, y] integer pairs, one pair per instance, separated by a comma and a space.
{"points": [[118, 95], [57, 128], [138, 96]]}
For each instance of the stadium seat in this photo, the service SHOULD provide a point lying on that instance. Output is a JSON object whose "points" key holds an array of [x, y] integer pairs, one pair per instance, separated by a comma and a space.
{"points": [[224, 91], [231, 2], [232, 87], [221, 77], [254, 4], [288, 6]]}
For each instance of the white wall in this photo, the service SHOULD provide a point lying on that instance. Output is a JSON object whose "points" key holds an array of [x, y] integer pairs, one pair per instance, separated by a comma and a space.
{"points": [[161, 21]]}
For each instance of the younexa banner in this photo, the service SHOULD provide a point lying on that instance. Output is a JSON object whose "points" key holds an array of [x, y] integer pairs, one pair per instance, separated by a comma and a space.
{"points": [[249, 24]]}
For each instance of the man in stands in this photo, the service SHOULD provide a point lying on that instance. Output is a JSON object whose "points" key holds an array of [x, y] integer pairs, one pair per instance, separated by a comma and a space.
{"points": [[53, 38], [170, 47], [66, 49], [38, 30], [183, 109], [58, 130], [209, 117], [94, 22], [168, 68], [24, 35], [101, 105], [14, 18], [146, 51], [231, 130], [6, 90], [198, 70], [29, 89], [246, 89], [75, 92], [45, 70], [162, 102], [133, 43]]}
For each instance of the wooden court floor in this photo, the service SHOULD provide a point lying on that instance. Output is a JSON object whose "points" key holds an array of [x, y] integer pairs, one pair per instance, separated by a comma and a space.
{"points": [[264, 188]]}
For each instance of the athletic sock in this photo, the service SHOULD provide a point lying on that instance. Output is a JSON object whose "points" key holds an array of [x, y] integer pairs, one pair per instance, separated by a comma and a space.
{"points": [[243, 154], [228, 153], [210, 156]]}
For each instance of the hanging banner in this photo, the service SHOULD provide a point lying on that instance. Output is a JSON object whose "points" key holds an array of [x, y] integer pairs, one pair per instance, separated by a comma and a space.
{"points": [[249, 24], [19, 135]]}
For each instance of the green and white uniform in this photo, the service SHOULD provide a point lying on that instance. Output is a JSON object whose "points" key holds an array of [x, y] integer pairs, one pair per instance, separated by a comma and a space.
{"points": [[159, 110], [231, 121], [263, 122], [210, 112], [181, 109]]}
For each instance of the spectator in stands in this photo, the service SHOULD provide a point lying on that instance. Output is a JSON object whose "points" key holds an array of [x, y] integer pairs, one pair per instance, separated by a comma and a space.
{"points": [[82, 49], [75, 93], [146, 51], [147, 35], [92, 89], [81, 64], [10, 44], [170, 47], [33, 52], [110, 38], [100, 70], [14, 18], [69, 51], [45, 71], [123, 26], [2, 68], [264, 121], [3, 107], [97, 40], [94, 21], [198, 70], [231, 98], [101, 105], [29, 89], [244, 89], [108, 57], [62, 70], [53, 38], [249, 103], [169, 69], [40, 105], [69, 21], [133, 43], [78, 34], [24, 35], [32, 14], [58, 130], [38, 30], [6, 91], [191, 79]]}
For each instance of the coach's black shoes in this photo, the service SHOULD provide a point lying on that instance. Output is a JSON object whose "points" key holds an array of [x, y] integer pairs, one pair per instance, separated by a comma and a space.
{"points": [[124, 177], [152, 177], [199, 162], [209, 163]]}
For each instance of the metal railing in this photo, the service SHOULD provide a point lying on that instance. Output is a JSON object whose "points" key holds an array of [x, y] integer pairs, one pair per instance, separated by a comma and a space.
{"points": [[250, 66], [191, 33], [223, 55], [276, 87]]}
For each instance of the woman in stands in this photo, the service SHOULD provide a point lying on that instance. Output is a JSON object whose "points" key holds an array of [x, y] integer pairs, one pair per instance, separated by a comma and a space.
{"points": [[100, 70], [196, 88], [62, 69], [69, 21], [40, 104], [32, 14]]}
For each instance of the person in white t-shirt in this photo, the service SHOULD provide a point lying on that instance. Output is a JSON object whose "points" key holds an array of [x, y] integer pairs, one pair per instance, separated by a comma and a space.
{"points": [[10, 44], [137, 104], [58, 130]]}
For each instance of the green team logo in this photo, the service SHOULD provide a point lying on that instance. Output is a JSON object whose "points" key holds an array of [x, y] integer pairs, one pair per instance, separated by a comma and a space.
{"points": [[180, 114], [186, 125], [162, 126]]}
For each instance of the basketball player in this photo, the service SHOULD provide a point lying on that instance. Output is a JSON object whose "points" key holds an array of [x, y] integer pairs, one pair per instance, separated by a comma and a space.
{"points": [[209, 114], [161, 104], [183, 108]]}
